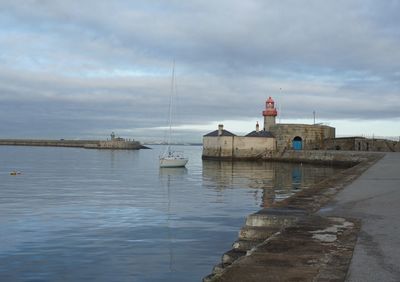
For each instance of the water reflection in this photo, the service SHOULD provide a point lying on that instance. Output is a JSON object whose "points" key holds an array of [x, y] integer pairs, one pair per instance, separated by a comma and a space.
{"points": [[172, 171], [168, 178], [95, 215], [277, 181]]}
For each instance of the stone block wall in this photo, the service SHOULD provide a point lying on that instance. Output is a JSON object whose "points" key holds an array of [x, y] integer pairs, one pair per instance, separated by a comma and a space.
{"points": [[118, 144], [362, 144], [253, 147], [312, 136], [218, 147], [237, 147]]}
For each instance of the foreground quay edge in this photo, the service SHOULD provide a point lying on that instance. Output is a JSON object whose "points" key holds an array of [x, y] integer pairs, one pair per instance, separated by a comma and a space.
{"points": [[344, 228]]}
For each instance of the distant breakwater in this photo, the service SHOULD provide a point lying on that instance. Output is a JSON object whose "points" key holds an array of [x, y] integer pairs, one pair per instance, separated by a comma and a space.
{"points": [[87, 144]]}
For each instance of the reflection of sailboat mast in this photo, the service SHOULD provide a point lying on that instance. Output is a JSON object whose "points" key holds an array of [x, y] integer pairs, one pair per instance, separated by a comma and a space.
{"points": [[168, 177], [168, 224]]}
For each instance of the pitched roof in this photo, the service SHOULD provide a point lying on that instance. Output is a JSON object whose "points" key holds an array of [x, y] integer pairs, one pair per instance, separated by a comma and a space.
{"points": [[224, 133], [261, 133]]}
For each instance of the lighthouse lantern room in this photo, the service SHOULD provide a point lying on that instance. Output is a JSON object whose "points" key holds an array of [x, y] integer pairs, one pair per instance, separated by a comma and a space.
{"points": [[269, 114]]}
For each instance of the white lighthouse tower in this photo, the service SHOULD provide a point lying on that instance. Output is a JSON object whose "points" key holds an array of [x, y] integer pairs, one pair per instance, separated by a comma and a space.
{"points": [[269, 114]]}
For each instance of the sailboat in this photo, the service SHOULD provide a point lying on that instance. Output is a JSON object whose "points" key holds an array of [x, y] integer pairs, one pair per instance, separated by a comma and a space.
{"points": [[171, 158]]}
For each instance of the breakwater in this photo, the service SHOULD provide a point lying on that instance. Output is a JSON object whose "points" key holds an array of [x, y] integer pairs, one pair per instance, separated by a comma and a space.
{"points": [[324, 157], [329, 157], [289, 241], [87, 144]]}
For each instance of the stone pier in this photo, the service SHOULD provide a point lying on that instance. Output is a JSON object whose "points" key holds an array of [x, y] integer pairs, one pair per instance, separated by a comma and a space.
{"points": [[293, 242], [121, 144]]}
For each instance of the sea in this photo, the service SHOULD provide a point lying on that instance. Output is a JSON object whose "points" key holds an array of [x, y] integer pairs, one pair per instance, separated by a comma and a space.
{"points": [[75, 214]]}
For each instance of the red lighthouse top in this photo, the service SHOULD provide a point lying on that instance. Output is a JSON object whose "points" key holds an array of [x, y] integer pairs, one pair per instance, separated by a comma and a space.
{"points": [[270, 108]]}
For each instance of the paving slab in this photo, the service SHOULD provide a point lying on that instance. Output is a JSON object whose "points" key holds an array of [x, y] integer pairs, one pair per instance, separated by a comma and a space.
{"points": [[374, 198]]}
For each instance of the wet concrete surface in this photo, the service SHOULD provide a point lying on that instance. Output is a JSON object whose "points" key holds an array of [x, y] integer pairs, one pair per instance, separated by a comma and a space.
{"points": [[374, 198]]}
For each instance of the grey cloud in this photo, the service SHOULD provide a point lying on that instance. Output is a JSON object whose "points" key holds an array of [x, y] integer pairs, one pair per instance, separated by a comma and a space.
{"points": [[227, 35], [84, 67]]}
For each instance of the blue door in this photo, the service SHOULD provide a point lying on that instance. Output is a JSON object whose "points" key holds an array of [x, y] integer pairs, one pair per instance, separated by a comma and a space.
{"points": [[297, 143]]}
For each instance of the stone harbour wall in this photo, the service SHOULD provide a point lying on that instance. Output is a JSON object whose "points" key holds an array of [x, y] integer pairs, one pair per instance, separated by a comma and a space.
{"points": [[252, 147], [362, 144], [312, 136], [330, 157], [237, 147], [88, 144], [218, 147]]}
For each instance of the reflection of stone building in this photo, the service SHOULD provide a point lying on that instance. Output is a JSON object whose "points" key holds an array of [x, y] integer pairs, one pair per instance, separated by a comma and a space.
{"points": [[276, 181], [260, 177], [272, 138]]}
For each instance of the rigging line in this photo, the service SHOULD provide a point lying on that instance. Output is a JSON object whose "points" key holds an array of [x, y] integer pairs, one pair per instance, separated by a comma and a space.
{"points": [[171, 102]]}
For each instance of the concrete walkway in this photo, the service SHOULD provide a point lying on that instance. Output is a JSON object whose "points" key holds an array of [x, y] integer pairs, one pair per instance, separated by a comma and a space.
{"points": [[374, 198]]}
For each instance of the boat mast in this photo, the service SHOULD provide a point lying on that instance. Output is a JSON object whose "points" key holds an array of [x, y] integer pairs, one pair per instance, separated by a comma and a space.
{"points": [[170, 105]]}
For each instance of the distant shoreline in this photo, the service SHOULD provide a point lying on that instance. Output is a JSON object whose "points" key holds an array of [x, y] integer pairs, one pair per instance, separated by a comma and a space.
{"points": [[175, 144]]}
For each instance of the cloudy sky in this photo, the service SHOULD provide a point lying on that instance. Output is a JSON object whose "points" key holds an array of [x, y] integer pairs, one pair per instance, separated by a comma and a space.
{"points": [[81, 69]]}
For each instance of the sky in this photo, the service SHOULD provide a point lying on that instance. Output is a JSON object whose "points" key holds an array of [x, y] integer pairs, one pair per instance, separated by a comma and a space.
{"points": [[82, 69]]}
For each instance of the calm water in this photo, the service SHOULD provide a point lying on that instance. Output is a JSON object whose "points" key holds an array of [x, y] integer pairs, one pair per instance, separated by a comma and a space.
{"points": [[93, 215]]}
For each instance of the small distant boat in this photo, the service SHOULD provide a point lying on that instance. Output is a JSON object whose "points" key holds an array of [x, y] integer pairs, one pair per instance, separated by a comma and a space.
{"points": [[172, 158], [14, 172]]}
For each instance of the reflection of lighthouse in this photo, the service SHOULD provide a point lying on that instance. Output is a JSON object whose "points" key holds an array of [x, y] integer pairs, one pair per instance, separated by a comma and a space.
{"points": [[269, 114]]}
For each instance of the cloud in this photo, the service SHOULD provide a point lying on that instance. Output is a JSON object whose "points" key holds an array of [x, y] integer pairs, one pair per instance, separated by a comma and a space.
{"points": [[86, 68]]}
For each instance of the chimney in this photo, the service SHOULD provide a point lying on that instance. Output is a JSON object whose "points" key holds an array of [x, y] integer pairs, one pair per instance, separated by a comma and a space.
{"points": [[257, 127], [220, 129]]}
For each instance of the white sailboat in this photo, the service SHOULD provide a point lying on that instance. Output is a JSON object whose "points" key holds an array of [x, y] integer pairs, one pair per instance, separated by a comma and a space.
{"points": [[172, 158]]}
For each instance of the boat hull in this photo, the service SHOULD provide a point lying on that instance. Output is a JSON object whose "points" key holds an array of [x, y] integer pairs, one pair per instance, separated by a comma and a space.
{"points": [[171, 162]]}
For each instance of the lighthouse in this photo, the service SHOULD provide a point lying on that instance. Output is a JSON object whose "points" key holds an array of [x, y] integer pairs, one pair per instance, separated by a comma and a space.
{"points": [[269, 114]]}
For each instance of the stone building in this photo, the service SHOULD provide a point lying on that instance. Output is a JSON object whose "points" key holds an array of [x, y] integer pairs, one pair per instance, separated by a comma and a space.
{"points": [[224, 144], [302, 136], [271, 139]]}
